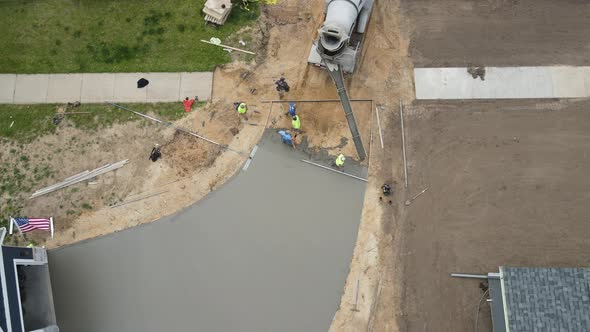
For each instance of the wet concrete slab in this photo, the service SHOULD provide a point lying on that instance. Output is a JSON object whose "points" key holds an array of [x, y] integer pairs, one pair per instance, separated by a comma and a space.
{"points": [[268, 251]]}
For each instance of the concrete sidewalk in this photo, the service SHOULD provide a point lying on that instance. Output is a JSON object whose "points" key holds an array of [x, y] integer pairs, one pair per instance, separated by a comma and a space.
{"points": [[98, 88], [503, 83]]}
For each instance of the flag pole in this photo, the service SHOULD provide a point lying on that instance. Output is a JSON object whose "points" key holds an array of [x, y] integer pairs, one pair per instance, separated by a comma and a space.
{"points": [[11, 225], [51, 224], [19, 231]]}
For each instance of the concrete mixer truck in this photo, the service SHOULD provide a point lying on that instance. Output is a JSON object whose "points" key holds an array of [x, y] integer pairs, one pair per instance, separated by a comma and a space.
{"points": [[338, 49]]}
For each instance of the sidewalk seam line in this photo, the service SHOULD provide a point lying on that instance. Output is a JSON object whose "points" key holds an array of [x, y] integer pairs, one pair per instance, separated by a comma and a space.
{"points": [[180, 86], [81, 85]]}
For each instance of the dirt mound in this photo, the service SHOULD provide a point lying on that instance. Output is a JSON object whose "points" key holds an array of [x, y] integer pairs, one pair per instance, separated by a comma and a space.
{"points": [[186, 154]]}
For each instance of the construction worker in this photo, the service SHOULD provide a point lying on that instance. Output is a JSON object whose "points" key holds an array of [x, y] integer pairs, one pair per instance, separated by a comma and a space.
{"points": [[155, 154], [296, 122], [292, 109], [242, 109], [340, 161], [187, 103], [282, 85], [286, 138]]}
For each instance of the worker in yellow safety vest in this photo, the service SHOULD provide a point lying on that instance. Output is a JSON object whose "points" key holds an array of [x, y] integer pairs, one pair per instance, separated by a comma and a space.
{"points": [[242, 109], [296, 122], [340, 161]]}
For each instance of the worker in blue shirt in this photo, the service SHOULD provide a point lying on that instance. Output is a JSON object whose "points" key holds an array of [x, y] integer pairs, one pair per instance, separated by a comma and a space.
{"points": [[292, 109], [286, 138]]}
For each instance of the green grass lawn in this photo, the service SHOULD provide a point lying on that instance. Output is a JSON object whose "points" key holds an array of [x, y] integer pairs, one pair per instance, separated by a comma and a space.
{"points": [[69, 36], [32, 121], [23, 170]]}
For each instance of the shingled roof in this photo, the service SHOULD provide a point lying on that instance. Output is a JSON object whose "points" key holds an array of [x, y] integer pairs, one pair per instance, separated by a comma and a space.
{"points": [[546, 299]]}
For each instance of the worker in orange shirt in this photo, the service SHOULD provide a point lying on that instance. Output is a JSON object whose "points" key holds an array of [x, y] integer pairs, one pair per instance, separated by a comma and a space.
{"points": [[188, 103]]}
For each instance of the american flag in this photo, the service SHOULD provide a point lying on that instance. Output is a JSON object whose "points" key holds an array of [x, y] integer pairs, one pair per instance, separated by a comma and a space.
{"points": [[30, 224]]}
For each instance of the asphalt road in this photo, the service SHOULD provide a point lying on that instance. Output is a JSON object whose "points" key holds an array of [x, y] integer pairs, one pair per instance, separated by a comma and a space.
{"points": [[269, 251]]}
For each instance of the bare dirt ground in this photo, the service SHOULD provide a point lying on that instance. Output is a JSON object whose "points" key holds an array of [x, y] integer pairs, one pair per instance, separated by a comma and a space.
{"points": [[507, 186], [385, 75], [80, 211], [498, 32], [191, 168], [404, 255]]}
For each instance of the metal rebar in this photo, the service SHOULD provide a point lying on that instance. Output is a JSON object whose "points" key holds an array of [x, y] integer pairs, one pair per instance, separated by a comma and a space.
{"points": [[333, 170], [310, 100], [356, 299], [379, 125], [169, 124], [137, 199], [465, 275], [86, 175]]}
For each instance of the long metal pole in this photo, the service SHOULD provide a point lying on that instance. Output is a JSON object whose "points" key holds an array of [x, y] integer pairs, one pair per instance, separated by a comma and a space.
{"points": [[472, 276], [333, 170], [401, 116], [310, 100], [356, 298], [229, 47], [379, 124], [168, 124], [370, 138], [268, 117], [137, 199]]}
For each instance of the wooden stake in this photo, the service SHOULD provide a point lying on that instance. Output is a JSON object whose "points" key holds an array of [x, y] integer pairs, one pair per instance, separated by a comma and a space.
{"points": [[401, 116]]}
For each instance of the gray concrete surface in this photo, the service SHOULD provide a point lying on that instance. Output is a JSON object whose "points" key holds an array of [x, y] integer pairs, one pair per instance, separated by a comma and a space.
{"points": [[101, 87], [7, 84], [64, 87], [268, 251], [503, 83]]}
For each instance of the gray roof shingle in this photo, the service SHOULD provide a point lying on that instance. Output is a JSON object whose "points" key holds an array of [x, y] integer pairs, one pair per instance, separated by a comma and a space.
{"points": [[547, 299]]}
